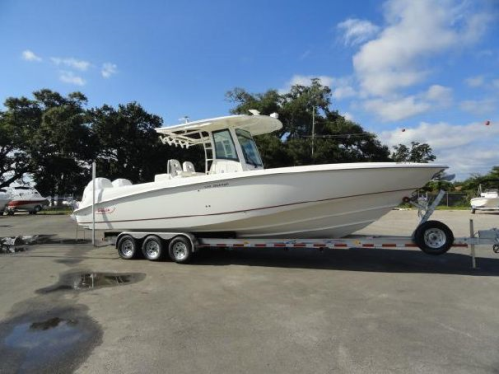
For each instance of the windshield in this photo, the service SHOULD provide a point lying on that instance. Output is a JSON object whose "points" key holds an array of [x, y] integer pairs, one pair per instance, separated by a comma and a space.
{"points": [[250, 151], [224, 145]]}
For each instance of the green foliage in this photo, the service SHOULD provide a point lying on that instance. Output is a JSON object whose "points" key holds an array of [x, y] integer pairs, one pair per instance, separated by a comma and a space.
{"points": [[62, 148], [416, 153], [489, 180], [17, 124], [127, 143], [55, 139], [335, 138], [47, 137]]}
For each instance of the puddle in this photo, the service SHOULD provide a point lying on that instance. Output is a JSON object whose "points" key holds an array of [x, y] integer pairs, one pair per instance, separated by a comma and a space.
{"points": [[83, 281], [21, 243], [46, 343]]}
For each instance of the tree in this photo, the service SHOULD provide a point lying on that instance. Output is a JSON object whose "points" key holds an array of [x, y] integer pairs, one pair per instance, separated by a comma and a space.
{"points": [[489, 180], [334, 138], [17, 124], [62, 148], [48, 138], [417, 153], [129, 146]]}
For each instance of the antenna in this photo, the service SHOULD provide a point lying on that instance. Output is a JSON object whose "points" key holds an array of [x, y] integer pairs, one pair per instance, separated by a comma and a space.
{"points": [[185, 119]]}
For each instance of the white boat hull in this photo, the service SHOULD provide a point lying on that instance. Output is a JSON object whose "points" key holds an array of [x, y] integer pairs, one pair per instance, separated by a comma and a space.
{"points": [[314, 201], [3, 204], [485, 203]]}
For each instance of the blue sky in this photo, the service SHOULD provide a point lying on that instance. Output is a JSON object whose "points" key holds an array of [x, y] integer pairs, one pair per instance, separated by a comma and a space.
{"points": [[430, 67]]}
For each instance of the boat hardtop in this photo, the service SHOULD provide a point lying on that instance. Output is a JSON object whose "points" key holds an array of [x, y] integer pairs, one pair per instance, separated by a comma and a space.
{"points": [[197, 132]]}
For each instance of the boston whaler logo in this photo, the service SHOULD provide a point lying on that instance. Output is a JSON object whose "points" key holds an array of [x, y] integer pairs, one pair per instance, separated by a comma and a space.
{"points": [[105, 210], [216, 185]]}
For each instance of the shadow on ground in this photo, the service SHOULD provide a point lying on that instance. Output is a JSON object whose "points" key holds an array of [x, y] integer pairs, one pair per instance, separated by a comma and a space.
{"points": [[362, 259]]}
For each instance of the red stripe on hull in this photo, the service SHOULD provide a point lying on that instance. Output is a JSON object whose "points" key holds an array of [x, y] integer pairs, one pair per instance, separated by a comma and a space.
{"points": [[17, 203]]}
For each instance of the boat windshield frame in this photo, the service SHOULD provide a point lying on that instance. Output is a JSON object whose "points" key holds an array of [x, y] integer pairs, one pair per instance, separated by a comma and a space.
{"points": [[245, 138], [231, 144]]}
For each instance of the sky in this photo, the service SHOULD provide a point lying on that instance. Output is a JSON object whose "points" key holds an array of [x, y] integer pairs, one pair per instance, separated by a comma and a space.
{"points": [[407, 70]]}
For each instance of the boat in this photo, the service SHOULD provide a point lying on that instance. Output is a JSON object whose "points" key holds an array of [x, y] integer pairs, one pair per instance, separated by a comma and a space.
{"points": [[4, 199], [236, 196], [488, 199], [25, 199]]}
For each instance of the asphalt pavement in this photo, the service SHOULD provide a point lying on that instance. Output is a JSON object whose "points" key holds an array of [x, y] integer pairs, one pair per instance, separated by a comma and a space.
{"points": [[67, 306]]}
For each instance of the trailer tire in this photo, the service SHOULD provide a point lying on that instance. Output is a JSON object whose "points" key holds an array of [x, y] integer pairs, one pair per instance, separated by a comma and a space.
{"points": [[37, 209], [152, 248], [180, 250], [128, 248], [10, 212], [434, 237]]}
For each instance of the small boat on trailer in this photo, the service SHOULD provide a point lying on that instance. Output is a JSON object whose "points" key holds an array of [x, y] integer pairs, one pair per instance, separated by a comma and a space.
{"points": [[487, 199]]}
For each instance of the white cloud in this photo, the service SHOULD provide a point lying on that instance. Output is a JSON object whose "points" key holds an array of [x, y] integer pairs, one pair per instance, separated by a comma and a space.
{"points": [[356, 31], [439, 95], [72, 63], [343, 92], [415, 32], [479, 107], [399, 108], [108, 69], [396, 109], [341, 87], [441, 135], [348, 116], [465, 148], [71, 78], [30, 56], [475, 81]]}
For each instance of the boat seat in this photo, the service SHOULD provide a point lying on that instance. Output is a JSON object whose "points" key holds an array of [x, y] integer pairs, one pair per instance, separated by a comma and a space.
{"points": [[121, 182], [189, 170], [188, 167], [174, 168]]}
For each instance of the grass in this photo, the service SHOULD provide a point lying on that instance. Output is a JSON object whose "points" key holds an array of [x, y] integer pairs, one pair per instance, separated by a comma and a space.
{"points": [[440, 207], [56, 211], [454, 208]]}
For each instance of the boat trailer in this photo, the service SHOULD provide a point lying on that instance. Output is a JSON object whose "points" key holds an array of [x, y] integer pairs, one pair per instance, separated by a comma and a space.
{"points": [[432, 237]]}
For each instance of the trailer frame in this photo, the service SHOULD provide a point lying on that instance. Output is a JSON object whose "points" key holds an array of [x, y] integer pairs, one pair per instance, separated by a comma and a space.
{"points": [[436, 240]]}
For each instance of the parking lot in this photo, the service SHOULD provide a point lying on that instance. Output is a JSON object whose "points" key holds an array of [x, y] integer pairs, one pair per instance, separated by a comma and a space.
{"points": [[68, 306]]}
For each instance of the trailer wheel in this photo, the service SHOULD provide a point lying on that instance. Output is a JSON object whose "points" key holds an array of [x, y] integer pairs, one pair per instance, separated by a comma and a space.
{"points": [[127, 247], [152, 249], [10, 212], [434, 237], [37, 209], [180, 250]]}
